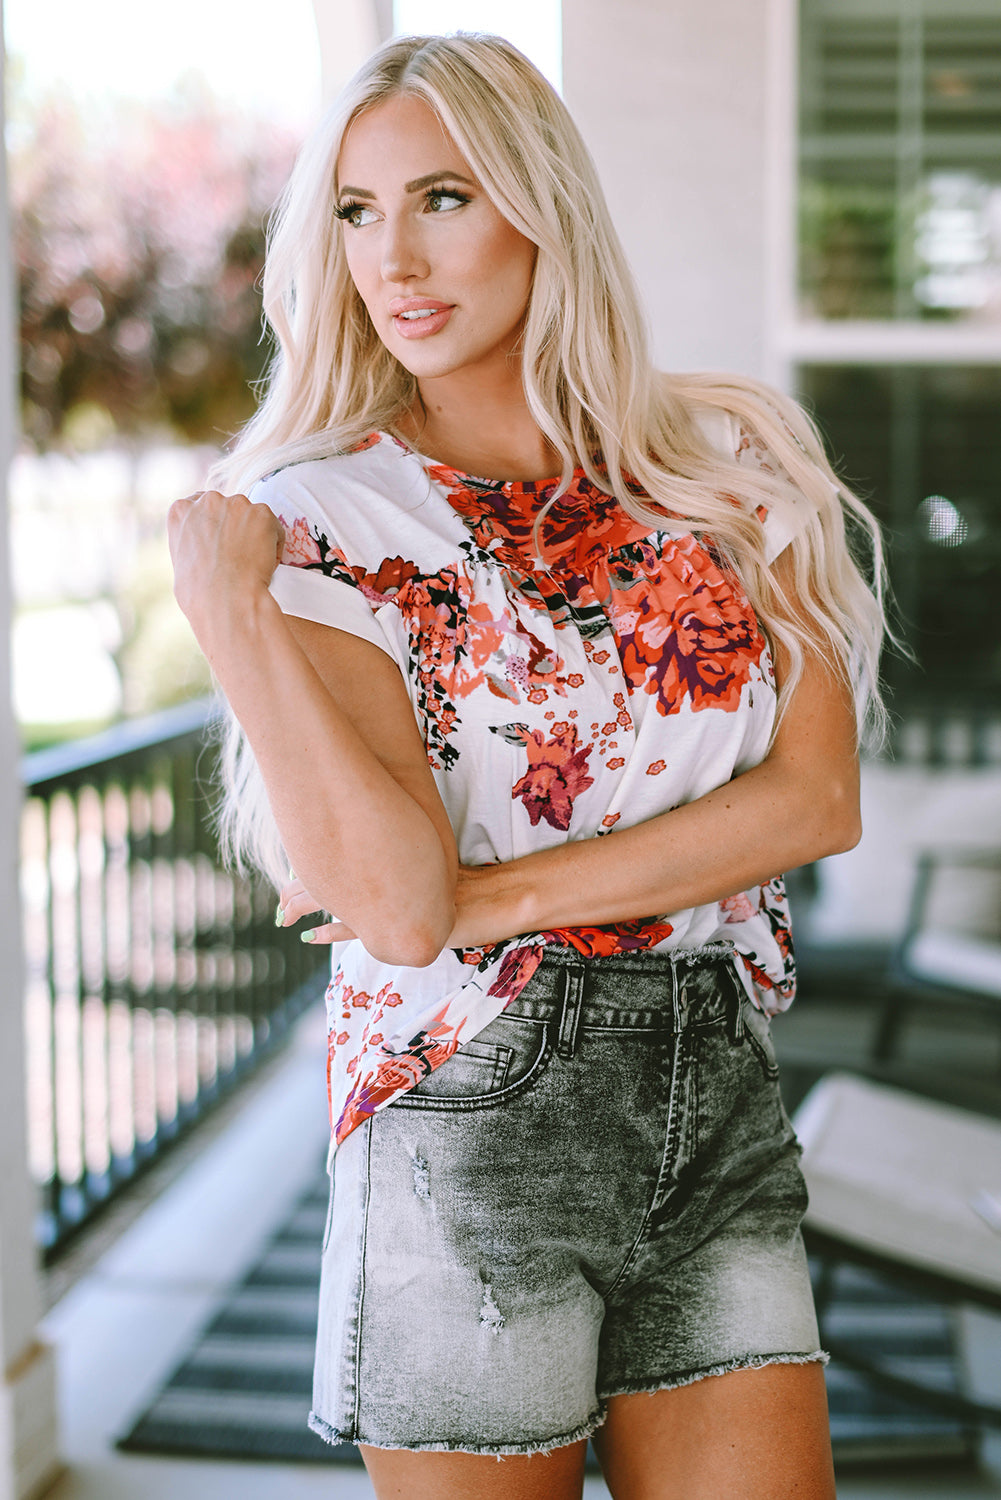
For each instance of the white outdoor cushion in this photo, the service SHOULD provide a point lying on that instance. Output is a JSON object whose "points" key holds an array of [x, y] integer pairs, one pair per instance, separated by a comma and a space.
{"points": [[955, 960], [913, 1180]]}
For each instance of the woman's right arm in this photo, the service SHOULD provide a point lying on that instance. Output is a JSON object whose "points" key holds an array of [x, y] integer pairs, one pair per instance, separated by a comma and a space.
{"points": [[333, 732]]}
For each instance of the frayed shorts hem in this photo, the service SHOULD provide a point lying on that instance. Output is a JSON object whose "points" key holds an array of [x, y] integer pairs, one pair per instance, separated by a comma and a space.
{"points": [[752, 1362], [490, 1450], [594, 1421]]}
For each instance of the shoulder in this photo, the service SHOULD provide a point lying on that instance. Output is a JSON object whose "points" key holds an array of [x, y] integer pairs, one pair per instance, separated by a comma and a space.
{"points": [[771, 456], [749, 420], [373, 489], [378, 466]]}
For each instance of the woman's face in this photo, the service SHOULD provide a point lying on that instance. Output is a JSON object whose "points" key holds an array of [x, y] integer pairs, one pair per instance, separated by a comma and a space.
{"points": [[444, 276]]}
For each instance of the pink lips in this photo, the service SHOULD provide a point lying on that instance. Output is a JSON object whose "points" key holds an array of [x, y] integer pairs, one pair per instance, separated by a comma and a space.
{"points": [[433, 316]]}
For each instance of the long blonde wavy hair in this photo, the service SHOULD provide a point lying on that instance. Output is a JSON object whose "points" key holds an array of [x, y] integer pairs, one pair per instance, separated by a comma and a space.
{"points": [[587, 374]]}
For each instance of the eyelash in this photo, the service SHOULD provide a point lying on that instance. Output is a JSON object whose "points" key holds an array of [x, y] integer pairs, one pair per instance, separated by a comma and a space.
{"points": [[441, 192], [345, 210]]}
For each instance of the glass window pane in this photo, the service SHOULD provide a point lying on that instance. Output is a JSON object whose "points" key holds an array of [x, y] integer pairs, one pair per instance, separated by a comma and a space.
{"points": [[923, 445], [900, 159]]}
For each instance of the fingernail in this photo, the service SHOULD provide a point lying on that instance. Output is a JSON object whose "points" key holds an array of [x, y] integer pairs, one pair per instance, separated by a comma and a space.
{"points": [[307, 937], [291, 873], [280, 917]]}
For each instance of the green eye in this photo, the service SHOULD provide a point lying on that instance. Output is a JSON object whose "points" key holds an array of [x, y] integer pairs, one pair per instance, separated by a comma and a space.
{"points": [[354, 214], [440, 201]]}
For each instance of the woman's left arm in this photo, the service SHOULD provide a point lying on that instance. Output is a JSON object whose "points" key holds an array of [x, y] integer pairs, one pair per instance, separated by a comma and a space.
{"points": [[799, 804]]}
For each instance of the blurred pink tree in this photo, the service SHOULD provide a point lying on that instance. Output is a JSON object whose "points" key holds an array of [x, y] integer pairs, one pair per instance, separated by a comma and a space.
{"points": [[139, 240]]}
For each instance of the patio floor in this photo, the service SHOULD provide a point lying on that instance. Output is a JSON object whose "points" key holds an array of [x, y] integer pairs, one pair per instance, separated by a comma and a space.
{"points": [[134, 1309]]}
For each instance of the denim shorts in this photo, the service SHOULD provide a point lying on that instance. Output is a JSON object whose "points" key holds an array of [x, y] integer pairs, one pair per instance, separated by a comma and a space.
{"points": [[600, 1193]]}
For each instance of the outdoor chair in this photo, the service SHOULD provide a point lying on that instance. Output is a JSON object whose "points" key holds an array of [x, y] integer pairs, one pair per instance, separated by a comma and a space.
{"points": [[910, 1188], [936, 964]]}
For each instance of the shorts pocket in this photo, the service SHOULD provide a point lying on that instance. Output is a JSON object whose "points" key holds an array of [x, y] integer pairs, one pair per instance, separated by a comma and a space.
{"points": [[502, 1060], [758, 1032], [330, 1210]]}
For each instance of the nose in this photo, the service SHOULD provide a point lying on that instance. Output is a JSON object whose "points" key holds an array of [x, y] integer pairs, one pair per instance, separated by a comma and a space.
{"points": [[403, 258]]}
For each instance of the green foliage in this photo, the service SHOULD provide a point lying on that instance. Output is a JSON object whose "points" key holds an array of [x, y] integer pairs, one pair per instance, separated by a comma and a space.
{"points": [[848, 249], [139, 241], [159, 659], [138, 235]]}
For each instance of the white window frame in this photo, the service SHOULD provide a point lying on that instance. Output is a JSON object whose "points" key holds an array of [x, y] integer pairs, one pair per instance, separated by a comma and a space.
{"points": [[797, 340]]}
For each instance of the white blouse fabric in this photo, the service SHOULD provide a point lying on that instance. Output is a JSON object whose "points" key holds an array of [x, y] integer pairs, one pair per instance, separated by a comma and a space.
{"points": [[560, 699]]}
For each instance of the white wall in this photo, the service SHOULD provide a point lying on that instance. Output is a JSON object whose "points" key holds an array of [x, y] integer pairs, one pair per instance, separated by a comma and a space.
{"points": [[27, 1397], [688, 111], [348, 30]]}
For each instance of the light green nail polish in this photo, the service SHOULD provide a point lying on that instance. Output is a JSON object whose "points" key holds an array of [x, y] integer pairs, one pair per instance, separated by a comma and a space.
{"points": [[307, 937], [279, 918]]}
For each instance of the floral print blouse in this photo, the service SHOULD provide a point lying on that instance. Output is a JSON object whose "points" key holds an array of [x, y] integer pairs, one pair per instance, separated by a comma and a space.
{"points": [[560, 698]]}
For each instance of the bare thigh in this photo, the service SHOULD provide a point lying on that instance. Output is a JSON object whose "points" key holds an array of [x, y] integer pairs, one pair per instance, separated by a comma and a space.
{"points": [[397, 1474], [749, 1435]]}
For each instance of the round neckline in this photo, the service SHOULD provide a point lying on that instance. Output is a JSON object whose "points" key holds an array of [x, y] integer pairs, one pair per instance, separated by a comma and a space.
{"points": [[522, 486]]}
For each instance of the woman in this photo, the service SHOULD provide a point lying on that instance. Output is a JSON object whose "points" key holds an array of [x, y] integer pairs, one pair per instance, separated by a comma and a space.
{"points": [[508, 692]]}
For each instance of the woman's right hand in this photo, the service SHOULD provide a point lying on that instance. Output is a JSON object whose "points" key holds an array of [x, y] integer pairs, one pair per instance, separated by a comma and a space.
{"points": [[221, 547]]}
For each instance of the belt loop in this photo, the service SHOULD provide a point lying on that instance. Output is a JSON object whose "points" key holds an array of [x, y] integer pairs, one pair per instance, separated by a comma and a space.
{"points": [[735, 1008], [679, 992], [573, 1000], [681, 1003]]}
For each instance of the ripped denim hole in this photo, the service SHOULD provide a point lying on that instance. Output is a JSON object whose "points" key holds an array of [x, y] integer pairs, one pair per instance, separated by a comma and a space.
{"points": [[422, 1185], [490, 1314]]}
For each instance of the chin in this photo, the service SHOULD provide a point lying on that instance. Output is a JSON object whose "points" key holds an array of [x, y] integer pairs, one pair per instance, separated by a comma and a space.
{"points": [[429, 364], [434, 363]]}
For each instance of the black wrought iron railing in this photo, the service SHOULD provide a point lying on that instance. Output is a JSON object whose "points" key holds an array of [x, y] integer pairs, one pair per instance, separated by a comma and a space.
{"points": [[155, 978], [946, 736]]}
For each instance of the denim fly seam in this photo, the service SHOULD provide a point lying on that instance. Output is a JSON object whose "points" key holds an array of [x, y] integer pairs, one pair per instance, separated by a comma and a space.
{"points": [[669, 1160]]}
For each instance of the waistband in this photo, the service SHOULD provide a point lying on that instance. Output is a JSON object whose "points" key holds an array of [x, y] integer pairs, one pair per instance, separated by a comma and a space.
{"points": [[664, 961], [642, 991]]}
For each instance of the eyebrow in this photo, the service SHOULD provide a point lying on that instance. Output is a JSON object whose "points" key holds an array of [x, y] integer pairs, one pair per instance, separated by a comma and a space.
{"points": [[415, 186]]}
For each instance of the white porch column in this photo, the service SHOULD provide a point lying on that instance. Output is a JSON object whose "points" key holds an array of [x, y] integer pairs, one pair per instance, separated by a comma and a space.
{"points": [[28, 1457], [689, 112], [349, 30]]}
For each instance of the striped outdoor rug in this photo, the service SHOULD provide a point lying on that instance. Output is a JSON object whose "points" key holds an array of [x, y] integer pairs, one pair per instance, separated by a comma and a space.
{"points": [[244, 1389]]}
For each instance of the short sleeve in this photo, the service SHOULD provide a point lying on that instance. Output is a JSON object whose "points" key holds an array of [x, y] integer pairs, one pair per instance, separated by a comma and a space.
{"points": [[779, 525], [314, 579], [786, 520]]}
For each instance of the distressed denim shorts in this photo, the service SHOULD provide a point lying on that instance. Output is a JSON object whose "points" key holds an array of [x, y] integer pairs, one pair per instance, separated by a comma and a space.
{"points": [[600, 1193]]}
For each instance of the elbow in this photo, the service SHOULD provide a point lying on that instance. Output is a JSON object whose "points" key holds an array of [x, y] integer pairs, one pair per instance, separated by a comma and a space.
{"points": [[853, 833], [842, 823], [412, 947], [843, 836], [402, 917], [409, 934]]}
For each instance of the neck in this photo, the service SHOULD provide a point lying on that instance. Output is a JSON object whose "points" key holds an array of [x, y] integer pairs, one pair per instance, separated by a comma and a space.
{"points": [[480, 427]]}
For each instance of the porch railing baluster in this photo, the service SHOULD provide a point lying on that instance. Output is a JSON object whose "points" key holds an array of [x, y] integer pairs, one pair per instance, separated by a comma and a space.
{"points": [[155, 978]]}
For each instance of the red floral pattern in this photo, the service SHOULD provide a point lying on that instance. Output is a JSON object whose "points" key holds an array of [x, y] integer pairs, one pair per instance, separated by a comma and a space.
{"points": [[517, 967], [619, 937], [688, 634], [556, 775], [299, 549]]}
